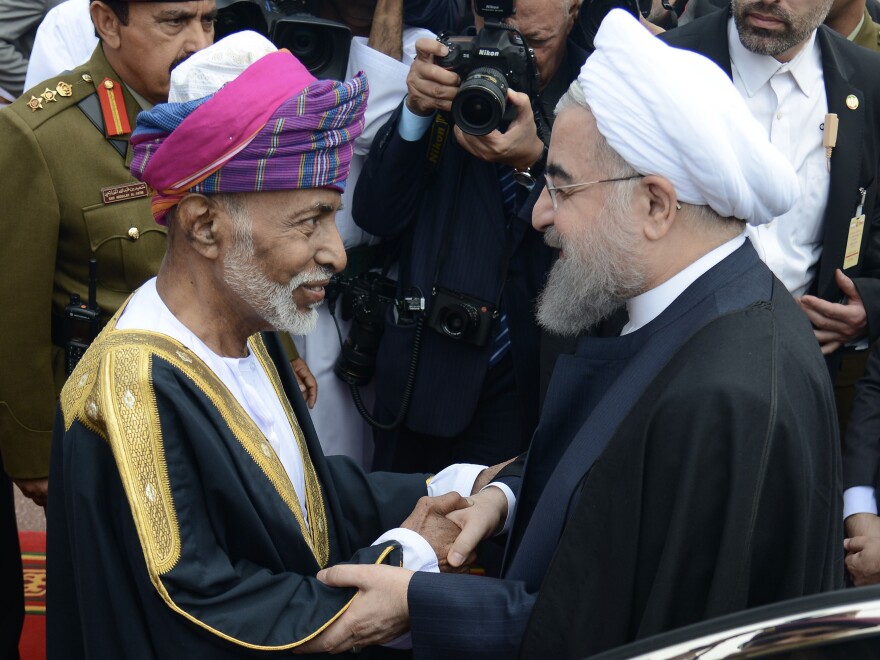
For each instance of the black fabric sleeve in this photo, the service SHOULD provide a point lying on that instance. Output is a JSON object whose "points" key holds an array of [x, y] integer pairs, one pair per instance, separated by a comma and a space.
{"points": [[861, 447]]}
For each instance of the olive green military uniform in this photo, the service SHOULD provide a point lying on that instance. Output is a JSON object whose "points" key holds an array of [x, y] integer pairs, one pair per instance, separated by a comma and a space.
{"points": [[54, 163], [869, 33]]}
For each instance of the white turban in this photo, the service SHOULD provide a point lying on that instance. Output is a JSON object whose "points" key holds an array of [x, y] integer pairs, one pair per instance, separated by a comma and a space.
{"points": [[207, 70], [676, 114]]}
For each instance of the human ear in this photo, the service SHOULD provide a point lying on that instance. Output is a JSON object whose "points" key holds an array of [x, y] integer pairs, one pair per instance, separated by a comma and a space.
{"points": [[106, 24], [660, 199], [197, 218]]}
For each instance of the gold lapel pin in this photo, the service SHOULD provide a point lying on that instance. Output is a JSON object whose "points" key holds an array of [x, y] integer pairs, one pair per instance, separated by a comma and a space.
{"points": [[63, 88], [35, 104], [87, 77], [852, 102], [49, 95]]}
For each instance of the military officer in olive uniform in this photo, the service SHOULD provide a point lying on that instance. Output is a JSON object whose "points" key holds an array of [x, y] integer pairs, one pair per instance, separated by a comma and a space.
{"points": [[67, 196]]}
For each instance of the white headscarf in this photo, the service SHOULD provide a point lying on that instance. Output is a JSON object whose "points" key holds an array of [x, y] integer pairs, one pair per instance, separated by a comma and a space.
{"points": [[676, 114], [207, 70]]}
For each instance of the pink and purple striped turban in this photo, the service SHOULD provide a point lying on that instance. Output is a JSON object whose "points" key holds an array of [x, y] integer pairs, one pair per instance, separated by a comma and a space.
{"points": [[274, 127]]}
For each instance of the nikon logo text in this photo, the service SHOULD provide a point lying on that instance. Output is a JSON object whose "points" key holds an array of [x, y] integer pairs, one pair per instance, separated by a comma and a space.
{"points": [[488, 52]]}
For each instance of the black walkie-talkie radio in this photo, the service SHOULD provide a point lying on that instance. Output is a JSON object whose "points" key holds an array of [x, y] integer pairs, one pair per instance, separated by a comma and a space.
{"points": [[81, 322]]}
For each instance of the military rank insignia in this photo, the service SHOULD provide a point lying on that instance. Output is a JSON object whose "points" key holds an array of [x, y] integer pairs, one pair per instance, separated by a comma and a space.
{"points": [[113, 108]]}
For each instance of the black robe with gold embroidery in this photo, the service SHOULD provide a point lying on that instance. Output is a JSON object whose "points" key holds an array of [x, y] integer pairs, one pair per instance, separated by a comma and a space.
{"points": [[174, 530]]}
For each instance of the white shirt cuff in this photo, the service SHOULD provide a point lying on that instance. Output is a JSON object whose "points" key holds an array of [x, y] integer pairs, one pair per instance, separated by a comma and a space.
{"points": [[411, 126], [511, 503], [418, 555], [859, 499], [459, 478]]}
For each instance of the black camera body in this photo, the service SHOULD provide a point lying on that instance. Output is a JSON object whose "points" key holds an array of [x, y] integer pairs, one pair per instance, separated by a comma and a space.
{"points": [[321, 45], [489, 63], [365, 300], [462, 317]]}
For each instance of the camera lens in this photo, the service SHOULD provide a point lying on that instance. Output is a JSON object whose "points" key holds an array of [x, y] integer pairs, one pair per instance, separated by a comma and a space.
{"points": [[480, 102], [458, 318], [305, 43], [357, 360]]}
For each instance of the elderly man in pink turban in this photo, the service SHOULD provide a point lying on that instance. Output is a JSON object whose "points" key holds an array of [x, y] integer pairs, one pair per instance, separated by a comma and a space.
{"points": [[192, 506]]}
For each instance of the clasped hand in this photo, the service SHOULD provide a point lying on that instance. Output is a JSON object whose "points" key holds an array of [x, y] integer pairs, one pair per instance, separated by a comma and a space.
{"points": [[452, 524]]}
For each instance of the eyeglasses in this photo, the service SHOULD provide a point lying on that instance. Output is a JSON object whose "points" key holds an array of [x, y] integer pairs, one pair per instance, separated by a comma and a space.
{"points": [[553, 189]]}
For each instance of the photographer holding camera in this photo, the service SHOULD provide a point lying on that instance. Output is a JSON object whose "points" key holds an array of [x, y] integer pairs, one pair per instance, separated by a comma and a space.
{"points": [[441, 177]]}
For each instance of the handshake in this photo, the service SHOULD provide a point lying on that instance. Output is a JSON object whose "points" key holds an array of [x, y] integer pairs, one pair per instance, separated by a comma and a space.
{"points": [[452, 524]]}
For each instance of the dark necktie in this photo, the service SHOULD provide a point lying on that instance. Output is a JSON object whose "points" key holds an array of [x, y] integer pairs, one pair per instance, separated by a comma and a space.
{"points": [[509, 189]]}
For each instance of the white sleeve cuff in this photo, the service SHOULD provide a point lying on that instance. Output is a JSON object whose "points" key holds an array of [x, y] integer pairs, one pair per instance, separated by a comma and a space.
{"points": [[511, 504], [411, 126], [459, 478], [418, 555], [859, 499]]}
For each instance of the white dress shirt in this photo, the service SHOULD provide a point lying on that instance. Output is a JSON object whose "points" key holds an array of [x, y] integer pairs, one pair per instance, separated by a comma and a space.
{"points": [[647, 306], [788, 100]]}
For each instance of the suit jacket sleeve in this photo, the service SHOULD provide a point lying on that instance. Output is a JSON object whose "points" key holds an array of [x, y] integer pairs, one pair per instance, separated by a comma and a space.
{"points": [[861, 450], [455, 616], [868, 282]]}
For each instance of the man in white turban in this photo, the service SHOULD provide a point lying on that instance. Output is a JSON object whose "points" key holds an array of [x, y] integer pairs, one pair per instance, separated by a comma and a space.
{"points": [[686, 465]]}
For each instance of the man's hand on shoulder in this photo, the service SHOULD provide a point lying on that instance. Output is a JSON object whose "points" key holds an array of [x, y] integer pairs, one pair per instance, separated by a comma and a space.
{"points": [[519, 146], [430, 87]]}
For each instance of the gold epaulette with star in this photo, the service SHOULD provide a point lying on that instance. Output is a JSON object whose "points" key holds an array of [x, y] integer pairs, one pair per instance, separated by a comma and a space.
{"points": [[53, 96]]}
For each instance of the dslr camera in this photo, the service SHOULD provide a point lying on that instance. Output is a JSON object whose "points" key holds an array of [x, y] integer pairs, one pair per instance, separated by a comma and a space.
{"points": [[462, 317], [367, 297], [489, 63], [322, 46]]}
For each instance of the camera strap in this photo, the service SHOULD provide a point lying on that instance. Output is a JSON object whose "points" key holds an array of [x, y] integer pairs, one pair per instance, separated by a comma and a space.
{"points": [[440, 129]]}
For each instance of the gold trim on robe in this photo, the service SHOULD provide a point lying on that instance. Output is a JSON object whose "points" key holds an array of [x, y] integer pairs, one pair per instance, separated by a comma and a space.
{"points": [[111, 393]]}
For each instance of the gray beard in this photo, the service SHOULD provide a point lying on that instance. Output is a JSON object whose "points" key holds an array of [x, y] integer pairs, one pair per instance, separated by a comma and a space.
{"points": [[274, 302], [766, 42], [597, 275]]}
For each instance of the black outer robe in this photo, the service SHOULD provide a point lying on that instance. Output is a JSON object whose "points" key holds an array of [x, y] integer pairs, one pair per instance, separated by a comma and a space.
{"points": [[712, 496], [196, 552], [716, 486]]}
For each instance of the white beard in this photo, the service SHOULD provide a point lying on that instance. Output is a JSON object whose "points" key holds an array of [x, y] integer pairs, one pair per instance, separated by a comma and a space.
{"points": [[599, 272], [274, 302]]}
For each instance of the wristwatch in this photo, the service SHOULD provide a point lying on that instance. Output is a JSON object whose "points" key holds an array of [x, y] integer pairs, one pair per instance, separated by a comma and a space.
{"points": [[528, 176]]}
